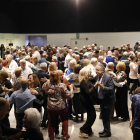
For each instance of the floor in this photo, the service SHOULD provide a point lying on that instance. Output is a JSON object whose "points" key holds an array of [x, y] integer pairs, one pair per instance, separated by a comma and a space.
{"points": [[120, 130]]}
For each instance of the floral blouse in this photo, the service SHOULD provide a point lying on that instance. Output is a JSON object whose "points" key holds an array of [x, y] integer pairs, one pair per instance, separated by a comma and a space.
{"points": [[120, 76], [56, 101]]}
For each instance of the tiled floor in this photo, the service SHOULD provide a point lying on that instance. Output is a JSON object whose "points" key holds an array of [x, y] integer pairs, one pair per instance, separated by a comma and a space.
{"points": [[120, 130]]}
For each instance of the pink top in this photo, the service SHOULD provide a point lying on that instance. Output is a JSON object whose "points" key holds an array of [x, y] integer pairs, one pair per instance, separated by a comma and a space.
{"points": [[56, 64], [133, 70]]}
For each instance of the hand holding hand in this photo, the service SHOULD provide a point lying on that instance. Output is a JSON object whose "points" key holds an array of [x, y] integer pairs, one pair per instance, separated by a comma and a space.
{"points": [[34, 92], [101, 85], [43, 79], [50, 91], [125, 81], [5, 88], [96, 84], [76, 79]]}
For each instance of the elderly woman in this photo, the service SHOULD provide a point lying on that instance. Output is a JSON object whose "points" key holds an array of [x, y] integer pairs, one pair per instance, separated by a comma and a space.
{"points": [[133, 73], [121, 104], [54, 59], [86, 89], [134, 114], [56, 102], [109, 58], [31, 122]]}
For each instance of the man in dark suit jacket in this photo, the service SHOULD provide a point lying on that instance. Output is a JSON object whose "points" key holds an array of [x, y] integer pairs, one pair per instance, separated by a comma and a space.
{"points": [[105, 94], [42, 76]]}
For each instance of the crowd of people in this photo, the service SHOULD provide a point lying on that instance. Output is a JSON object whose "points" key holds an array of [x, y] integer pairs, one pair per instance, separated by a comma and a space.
{"points": [[67, 83]]}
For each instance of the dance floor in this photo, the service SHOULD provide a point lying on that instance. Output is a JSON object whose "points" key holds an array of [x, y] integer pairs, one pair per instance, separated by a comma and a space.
{"points": [[120, 130]]}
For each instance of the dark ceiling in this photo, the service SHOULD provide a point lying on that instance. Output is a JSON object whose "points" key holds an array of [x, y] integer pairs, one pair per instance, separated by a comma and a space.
{"points": [[69, 16]]}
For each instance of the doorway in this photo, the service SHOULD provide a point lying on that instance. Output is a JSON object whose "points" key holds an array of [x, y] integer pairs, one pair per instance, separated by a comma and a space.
{"points": [[79, 43]]}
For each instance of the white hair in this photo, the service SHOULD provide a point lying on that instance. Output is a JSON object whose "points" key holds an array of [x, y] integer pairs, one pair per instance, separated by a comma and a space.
{"points": [[10, 56], [22, 60], [109, 53], [138, 53], [72, 62], [101, 47], [101, 57], [110, 65], [36, 47], [125, 53], [85, 55], [70, 50], [73, 55], [43, 65], [93, 60], [77, 55], [33, 116], [27, 57], [54, 57]]}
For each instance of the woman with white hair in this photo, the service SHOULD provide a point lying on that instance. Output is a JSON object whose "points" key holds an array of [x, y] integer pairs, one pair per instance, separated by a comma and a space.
{"points": [[86, 90], [31, 122], [109, 58], [54, 59]]}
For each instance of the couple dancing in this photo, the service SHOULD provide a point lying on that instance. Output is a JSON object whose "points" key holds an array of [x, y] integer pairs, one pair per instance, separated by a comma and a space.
{"points": [[103, 93]]}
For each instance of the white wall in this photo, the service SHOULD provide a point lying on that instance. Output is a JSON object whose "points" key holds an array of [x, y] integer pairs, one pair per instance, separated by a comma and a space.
{"points": [[105, 39]]}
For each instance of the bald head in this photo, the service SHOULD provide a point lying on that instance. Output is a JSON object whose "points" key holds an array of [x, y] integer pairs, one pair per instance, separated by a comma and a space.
{"points": [[60, 72], [24, 82]]}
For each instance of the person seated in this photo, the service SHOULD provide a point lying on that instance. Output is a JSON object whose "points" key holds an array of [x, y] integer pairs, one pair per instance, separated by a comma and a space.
{"points": [[31, 122]]}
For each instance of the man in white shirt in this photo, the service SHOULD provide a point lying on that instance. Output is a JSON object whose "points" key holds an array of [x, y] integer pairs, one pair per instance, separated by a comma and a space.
{"points": [[25, 70], [36, 53], [12, 63], [28, 63], [69, 55]]}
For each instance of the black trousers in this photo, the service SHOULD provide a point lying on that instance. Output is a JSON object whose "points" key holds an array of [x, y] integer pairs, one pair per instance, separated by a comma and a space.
{"points": [[121, 104], [135, 84], [91, 116], [136, 134], [45, 116], [19, 117], [105, 111]]}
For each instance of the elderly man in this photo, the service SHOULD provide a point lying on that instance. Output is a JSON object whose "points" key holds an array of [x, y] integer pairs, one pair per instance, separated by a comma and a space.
{"points": [[85, 56], [43, 59], [25, 70], [100, 60], [4, 110], [12, 63], [69, 55], [23, 100], [105, 95], [36, 53], [77, 58], [28, 63]]}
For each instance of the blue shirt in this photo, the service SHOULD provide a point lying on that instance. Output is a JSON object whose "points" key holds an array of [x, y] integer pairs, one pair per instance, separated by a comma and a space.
{"points": [[23, 99], [109, 59], [69, 71], [136, 114], [42, 60]]}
